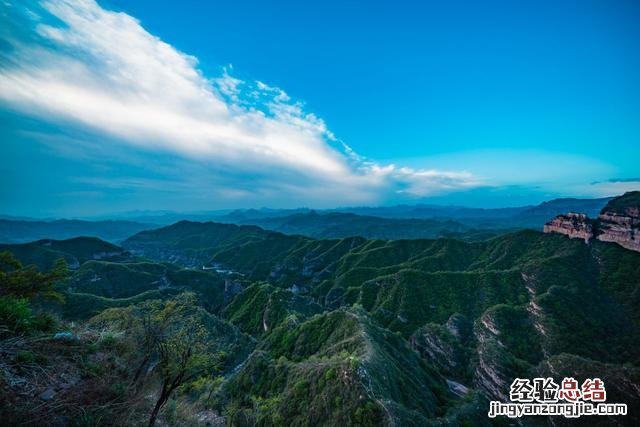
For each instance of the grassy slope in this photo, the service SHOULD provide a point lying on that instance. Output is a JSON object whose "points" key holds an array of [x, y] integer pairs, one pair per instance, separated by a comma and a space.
{"points": [[338, 225], [407, 283], [43, 253], [337, 368], [545, 295], [531, 298], [89, 377], [112, 280], [262, 307]]}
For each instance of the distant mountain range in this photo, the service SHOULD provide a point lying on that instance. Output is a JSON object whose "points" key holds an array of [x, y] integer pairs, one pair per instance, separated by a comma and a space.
{"points": [[531, 215], [21, 230], [514, 217], [331, 225], [393, 222]]}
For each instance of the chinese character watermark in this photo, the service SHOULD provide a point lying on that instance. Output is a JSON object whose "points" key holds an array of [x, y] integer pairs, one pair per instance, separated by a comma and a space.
{"points": [[542, 396]]}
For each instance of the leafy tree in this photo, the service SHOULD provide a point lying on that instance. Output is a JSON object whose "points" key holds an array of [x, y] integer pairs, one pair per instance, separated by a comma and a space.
{"points": [[20, 284], [183, 357], [172, 331], [148, 337], [27, 282]]}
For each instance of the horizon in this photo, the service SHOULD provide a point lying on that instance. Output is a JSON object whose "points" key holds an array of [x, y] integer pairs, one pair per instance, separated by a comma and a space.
{"points": [[116, 107], [140, 214]]}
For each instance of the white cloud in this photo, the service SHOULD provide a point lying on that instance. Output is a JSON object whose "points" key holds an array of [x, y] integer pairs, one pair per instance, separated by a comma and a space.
{"points": [[610, 188], [102, 71]]}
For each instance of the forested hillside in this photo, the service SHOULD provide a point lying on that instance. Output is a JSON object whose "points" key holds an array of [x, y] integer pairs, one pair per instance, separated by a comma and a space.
{"points": [[219, 323]]}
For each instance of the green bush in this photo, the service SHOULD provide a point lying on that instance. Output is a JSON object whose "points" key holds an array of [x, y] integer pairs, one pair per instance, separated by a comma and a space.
{"points": [[15, 315], [118, 391], [44, 322], [108, 340], [366, 415], [24, 357]]}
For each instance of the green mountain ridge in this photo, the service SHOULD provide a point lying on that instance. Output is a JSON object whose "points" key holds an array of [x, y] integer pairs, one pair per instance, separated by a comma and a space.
{"points": [[347, 331], [530, 296], [338, 366], [74, 251]]}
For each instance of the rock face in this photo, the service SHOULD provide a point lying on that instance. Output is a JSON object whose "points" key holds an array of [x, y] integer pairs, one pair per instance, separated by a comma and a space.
{"points": [[574, 225], [618, 222], [621, 229], [443, 345]]}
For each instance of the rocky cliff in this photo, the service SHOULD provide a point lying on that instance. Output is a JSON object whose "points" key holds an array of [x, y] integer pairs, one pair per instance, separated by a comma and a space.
{"points": [[618, 222], [574, 225]]}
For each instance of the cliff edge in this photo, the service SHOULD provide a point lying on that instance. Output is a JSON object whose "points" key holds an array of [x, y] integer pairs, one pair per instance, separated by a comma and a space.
{"points": [[618, 222]]}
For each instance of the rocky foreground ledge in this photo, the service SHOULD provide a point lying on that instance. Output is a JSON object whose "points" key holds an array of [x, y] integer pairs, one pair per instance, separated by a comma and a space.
{"points": [[618, 222]]}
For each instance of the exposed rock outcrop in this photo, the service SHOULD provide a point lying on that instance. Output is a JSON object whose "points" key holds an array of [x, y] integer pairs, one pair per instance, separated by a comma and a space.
{"points": [[621, 229], [444, 345], [574, 225], [618, 222]]}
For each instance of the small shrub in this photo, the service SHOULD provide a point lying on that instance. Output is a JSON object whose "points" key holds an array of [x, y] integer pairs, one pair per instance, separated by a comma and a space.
{"points": [[354, 362], [15, 315], [24, 358], [44, 322], [118, 391], [301, 388], [87, 419], [108, 340], [329, 374], [365, 415], [92, 369], [337, 401]]}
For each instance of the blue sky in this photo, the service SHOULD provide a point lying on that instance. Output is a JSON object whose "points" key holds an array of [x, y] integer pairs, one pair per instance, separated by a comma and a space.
{"points": [[120, 105]]}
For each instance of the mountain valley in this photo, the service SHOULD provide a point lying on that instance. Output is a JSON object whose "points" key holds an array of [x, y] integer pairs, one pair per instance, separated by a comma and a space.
{"points": [[331, 331]]}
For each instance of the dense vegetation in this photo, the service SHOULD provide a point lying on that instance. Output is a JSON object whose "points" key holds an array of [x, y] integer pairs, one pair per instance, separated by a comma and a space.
{"points": [[619, 205], [45, 253], [200, 323], [334, 225]]}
